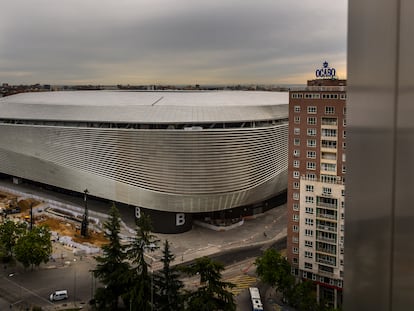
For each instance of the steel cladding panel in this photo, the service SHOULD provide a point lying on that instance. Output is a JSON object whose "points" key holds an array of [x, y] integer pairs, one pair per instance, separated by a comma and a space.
{"points": [[167, 170]]}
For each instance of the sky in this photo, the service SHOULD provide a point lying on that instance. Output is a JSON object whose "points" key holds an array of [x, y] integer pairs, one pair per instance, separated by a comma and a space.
{"points": [[170, 42]]}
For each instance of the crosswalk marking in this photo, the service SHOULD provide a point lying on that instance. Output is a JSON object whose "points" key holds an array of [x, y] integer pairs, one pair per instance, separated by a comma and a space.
{"points": [[241, 282]]}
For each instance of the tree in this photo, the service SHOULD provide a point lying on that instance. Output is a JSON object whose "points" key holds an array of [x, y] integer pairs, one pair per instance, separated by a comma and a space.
{"points": [[303, 296], [167, 284], [112, 269], [275, 270], [34, 247], [9, 234], [213, 293], [140, 295]]}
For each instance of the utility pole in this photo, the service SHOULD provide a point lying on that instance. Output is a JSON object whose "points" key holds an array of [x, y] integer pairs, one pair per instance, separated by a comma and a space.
{"points": [[31, 216], [85, 221]]}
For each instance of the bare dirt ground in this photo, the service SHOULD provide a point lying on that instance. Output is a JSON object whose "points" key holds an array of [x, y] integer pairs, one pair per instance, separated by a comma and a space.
{"points": [[62, 227], [71, 229]]}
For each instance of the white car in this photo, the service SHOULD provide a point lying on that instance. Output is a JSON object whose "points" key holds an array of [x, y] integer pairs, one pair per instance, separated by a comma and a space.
{"points": [[59, 295]]}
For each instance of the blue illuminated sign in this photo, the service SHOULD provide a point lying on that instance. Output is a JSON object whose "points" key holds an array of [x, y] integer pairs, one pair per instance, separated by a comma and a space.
{"points": [[325, 72]]}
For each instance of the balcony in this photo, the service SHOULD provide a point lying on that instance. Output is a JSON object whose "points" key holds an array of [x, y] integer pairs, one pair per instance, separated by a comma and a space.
{"points": [[325, 239], [326, 261], [325, 273], [326, 250], [327, 205], [326, 228], [327, 216]]}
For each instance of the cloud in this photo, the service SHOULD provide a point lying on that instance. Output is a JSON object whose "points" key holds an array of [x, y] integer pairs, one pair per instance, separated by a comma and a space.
{"points": [[169, 42]]}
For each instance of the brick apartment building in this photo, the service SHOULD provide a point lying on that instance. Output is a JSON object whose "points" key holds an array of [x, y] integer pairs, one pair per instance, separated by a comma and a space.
{"points": [[316, 178]]}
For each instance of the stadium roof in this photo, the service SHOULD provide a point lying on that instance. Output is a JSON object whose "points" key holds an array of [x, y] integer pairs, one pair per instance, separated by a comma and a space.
{"points": [[146, 107]]}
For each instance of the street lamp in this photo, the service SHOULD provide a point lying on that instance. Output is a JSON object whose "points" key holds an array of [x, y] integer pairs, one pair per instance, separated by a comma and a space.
{"points": [[74, 281], [31, 216], [84, 225]]}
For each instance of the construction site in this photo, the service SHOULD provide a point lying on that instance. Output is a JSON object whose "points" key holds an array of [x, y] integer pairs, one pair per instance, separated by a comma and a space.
{"points": [[62, 222]]}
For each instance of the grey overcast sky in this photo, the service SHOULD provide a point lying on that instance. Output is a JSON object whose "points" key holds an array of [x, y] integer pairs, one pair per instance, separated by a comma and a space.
{"points": [[166, 41]]}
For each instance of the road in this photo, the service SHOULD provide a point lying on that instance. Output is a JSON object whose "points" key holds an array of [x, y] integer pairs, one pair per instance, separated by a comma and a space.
{"points": [[23, 288]]}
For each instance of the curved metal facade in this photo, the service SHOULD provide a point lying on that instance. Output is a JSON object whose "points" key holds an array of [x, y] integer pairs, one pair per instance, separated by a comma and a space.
{"points": [[165, 170]]}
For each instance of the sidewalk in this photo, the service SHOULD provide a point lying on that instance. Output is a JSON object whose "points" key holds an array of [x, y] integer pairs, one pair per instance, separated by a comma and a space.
{"points": [[264, 229]]}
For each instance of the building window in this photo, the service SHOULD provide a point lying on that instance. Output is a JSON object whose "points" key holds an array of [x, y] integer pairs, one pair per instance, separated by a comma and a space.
{"points": [[296, 163], [309, 210], [343, 96], [329, 132], [295, 217], [311, 132], [326, 190], [312, 120], [295, 206], [343, 169], [295, 250], [295, 228], [328, 179], [295, 174], [309, 188], [344, 122], [308, 254], [311, 154], [311, 165], [304, 274], [343, 204], [295, 196], [296, 131], [343, 192], [296, 153], [309, 221], [308, 243], [296, 185], [344, 134], [297, 95], [295, 239], [297, 119], [308, 232], [311, 109], [309, 199], [344, 145], [296, 141], [297, 108], [328, 167], [308, 265], [311, 142], [344, 108], [295, 261], [311, 176], [329, 110], [328, 144]]}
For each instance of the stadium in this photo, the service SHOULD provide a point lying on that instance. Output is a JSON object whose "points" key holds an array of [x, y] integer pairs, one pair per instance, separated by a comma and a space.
{"points": [[172, 154]]}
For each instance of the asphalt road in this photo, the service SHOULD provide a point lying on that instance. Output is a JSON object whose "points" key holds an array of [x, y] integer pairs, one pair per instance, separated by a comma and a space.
{"points": [[21, 288]]}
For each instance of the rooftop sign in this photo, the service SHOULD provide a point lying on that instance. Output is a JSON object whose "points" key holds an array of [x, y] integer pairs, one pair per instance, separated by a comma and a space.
{"points": [[326, 72]]}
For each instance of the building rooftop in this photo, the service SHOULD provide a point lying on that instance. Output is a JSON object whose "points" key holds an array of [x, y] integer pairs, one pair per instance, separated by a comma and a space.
{"points": [[146, 107]]}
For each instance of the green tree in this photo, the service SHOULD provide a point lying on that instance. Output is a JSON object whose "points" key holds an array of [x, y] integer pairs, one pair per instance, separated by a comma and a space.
{"points": [[9, 234], [275, 270], [112, 269], [167, 284], [140, 295], [213, 293], [303, 297], [34, 246]]}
